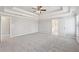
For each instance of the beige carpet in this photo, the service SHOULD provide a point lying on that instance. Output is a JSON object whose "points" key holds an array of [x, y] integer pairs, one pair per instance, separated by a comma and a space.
{"points": [[39, 42]]}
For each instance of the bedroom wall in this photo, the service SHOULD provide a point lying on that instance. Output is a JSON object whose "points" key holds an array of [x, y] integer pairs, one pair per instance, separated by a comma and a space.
{"points": [[5, 27], [45, 26], [0, 28], [66, 25], [20, 26], [77, 28]]}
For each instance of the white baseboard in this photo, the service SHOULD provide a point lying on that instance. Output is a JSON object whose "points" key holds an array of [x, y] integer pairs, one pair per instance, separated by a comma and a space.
{"points": [[22, 34]]}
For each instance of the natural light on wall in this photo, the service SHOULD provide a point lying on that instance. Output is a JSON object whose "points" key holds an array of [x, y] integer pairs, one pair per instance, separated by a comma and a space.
{"points": [[55, 27], [5, 27]]}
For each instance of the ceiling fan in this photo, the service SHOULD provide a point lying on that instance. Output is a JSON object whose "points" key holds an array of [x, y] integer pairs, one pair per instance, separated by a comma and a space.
{"points": [[39, 9]]}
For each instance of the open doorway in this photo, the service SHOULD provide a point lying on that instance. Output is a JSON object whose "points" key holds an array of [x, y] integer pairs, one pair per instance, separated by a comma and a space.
{"points": [[55, 27]]}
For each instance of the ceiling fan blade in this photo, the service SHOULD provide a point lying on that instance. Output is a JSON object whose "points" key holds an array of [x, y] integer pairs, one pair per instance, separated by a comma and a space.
{"points": [[43, 9], [39, 9]]}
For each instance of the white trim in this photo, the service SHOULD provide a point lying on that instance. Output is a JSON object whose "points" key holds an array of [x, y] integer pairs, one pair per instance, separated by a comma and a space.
{"points": [[14, 12], [57, 16], [11, 36], [15, 15], [65, 9], [21, 10]]}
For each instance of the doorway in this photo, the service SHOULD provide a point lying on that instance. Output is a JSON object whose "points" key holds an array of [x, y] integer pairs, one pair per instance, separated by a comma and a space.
{"points": [[55, 27]]}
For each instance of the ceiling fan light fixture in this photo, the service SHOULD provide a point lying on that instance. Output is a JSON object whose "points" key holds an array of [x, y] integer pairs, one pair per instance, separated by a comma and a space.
{"points": [[39, 9]]}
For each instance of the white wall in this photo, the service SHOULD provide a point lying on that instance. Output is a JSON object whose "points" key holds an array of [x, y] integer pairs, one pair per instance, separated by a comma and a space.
{"points": [[45, 26], [77, 28], [5, 27], [20, 26], [55, 27], [0, 28], [66, 25]]}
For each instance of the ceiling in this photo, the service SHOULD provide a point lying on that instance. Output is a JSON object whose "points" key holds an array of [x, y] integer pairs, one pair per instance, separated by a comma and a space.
{"points": [[50, 10], [29, 8]]}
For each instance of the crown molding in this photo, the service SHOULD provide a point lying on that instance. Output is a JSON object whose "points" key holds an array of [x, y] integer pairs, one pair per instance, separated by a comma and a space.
{"points": [[62, 10], [57, 16], [17, 13], [23, 11], [56, 10]]}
